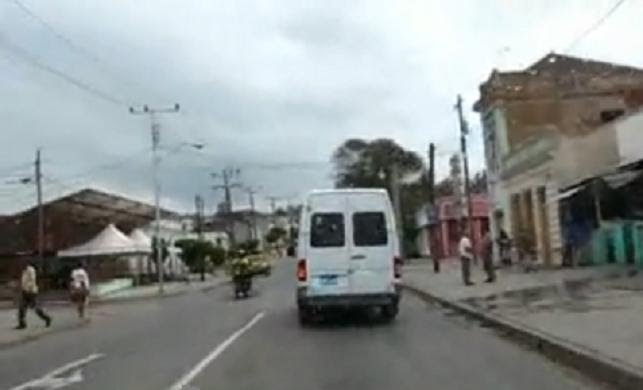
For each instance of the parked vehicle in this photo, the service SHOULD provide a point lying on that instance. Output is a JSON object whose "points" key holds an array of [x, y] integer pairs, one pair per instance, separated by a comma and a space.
{"points": [[348, 253]]}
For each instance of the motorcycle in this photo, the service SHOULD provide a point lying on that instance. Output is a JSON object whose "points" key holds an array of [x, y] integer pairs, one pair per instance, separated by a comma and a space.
{"points": [[242, 286]]}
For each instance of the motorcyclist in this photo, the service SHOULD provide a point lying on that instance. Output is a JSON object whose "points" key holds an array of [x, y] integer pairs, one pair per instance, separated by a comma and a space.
{"points": [[241, 274]]}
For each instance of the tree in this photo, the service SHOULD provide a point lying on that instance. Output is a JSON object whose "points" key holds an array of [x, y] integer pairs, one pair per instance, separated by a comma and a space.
{"points": [[479, 182], [195, 252], [275, 234], [360, 163]]}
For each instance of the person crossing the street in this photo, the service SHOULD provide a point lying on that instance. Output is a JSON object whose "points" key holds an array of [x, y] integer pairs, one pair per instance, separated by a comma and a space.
{"points": [[29, 298], [79, 289]]}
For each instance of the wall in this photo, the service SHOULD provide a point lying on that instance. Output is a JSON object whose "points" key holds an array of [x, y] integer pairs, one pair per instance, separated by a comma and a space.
{"points": [[629, 134], [584, 156], [526, 119]]}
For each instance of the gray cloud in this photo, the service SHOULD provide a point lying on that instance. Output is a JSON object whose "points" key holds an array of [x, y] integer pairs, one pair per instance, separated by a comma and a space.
{"points": [[260, 83]]}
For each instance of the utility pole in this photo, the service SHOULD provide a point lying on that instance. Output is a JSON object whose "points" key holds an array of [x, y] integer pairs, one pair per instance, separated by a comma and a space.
{"points": [[432, 212], [199, 206], [464, 131], [273, 207], [253, 213], [395, 192], [431, 174], [156, 137], [41, 213], [227, 175]]}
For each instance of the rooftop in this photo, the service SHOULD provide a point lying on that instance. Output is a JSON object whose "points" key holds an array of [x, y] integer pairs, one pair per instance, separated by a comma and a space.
{"points": [[555, 71]]}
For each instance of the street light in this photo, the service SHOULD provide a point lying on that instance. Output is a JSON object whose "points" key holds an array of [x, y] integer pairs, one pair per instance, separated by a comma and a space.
{"points": [[152, 112]]}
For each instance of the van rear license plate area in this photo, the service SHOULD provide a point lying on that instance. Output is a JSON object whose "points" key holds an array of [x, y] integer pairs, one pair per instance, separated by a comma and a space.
{"points": [[327, 280]]}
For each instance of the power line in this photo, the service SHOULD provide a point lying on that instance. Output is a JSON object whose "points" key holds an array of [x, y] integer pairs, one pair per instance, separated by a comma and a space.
{"points": [[79, 49], [36, 63], [594, 26]]}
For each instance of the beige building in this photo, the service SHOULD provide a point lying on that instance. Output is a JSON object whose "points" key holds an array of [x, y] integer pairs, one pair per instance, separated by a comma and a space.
{"points": [[544, 128]]}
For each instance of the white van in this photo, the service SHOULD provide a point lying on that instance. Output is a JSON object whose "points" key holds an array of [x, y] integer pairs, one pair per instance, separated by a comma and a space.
{"points": [[348, 252]]}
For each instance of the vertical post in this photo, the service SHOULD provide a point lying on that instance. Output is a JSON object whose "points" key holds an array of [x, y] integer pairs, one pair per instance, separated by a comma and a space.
{"points": [[156, 160], [464, 131], [597, 202], [253, 215], [395, 191], [41, 216], [198, 205], [431, 180], [156, 136]]}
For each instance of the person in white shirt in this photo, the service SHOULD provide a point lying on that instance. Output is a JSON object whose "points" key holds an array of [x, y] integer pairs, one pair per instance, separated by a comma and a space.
{"points": [[28, 297], [79, 284], [466, 256]]}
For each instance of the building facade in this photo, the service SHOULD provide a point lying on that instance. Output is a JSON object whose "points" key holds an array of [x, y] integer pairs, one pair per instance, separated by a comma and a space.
{"points": [[536, 126], [440, 227]]}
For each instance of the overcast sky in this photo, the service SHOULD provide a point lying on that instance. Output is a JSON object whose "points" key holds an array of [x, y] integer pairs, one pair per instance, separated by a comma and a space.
{"points": [[271, 87]]}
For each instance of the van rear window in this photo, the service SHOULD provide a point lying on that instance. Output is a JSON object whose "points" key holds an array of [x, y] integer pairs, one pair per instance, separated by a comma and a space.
{"points": [[369, 229], [327, 230]]}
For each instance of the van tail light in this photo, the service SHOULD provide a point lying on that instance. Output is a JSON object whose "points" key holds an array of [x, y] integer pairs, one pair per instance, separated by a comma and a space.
{"points": [[397, 267], [302, 272]]}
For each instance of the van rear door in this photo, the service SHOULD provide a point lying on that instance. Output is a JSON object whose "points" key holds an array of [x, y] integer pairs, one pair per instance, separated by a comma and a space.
{"points": [[327, 254], [372, 243]]}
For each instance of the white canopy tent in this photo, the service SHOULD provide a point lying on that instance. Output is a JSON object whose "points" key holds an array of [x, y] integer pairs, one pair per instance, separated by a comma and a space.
{"points": [[141, 240], [109, 242]]}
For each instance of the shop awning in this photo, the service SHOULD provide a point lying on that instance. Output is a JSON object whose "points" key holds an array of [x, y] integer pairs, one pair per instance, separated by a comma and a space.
{"points": [[565, 194]]}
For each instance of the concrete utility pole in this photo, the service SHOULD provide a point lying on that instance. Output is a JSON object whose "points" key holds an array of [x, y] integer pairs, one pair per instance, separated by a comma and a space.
{"points": [[464, 131], [273, 207], [253, 212], [431, 180], [227, 175], [199, 206], [395, 192], [156, 137], [41, 213]]}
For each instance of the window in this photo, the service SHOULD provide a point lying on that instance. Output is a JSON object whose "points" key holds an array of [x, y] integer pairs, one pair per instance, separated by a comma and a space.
{"points": [[369, 229], [327, 230]]}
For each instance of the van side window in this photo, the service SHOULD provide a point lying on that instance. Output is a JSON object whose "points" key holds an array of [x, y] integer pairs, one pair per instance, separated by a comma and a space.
{"points": [[327, 230], [369, 229]]}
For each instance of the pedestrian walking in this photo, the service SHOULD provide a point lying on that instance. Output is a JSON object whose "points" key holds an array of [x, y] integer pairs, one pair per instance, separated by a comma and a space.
{"points": [[79, 289], [487, 258], [466, 257], [29, 298]]}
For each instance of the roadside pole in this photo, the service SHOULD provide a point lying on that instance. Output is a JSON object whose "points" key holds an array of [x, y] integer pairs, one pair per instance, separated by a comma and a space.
{"points": [[431, 183], [464, 131], [41, 214], [199, 206], [395, 192], [156, 135]]}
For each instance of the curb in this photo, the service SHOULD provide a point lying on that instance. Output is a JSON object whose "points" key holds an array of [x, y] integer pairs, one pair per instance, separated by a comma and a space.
{"points": [[612, 371], [105, 301], [156, 296]]}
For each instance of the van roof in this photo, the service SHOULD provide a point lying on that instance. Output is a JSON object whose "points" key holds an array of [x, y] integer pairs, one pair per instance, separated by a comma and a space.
{"points": [[348, 191]]}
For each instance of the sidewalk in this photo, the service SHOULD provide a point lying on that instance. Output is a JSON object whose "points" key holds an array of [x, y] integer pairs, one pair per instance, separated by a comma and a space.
{"points": [[65, 317], [169, 289], [594, 311]]}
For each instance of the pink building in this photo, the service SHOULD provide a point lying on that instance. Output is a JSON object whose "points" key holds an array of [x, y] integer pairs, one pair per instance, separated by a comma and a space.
{"points": [[440, 233]]}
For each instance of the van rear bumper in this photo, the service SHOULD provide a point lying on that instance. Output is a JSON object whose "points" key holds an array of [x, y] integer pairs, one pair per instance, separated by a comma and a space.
{"points": [[346, 300]]}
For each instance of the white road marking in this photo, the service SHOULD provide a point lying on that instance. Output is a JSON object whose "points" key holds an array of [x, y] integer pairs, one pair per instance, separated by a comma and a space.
{"points": [[182, 383], [52, 380]]}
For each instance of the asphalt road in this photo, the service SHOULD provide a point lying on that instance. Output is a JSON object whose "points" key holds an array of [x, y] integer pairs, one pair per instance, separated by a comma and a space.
{"points": [[209, 341]]}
